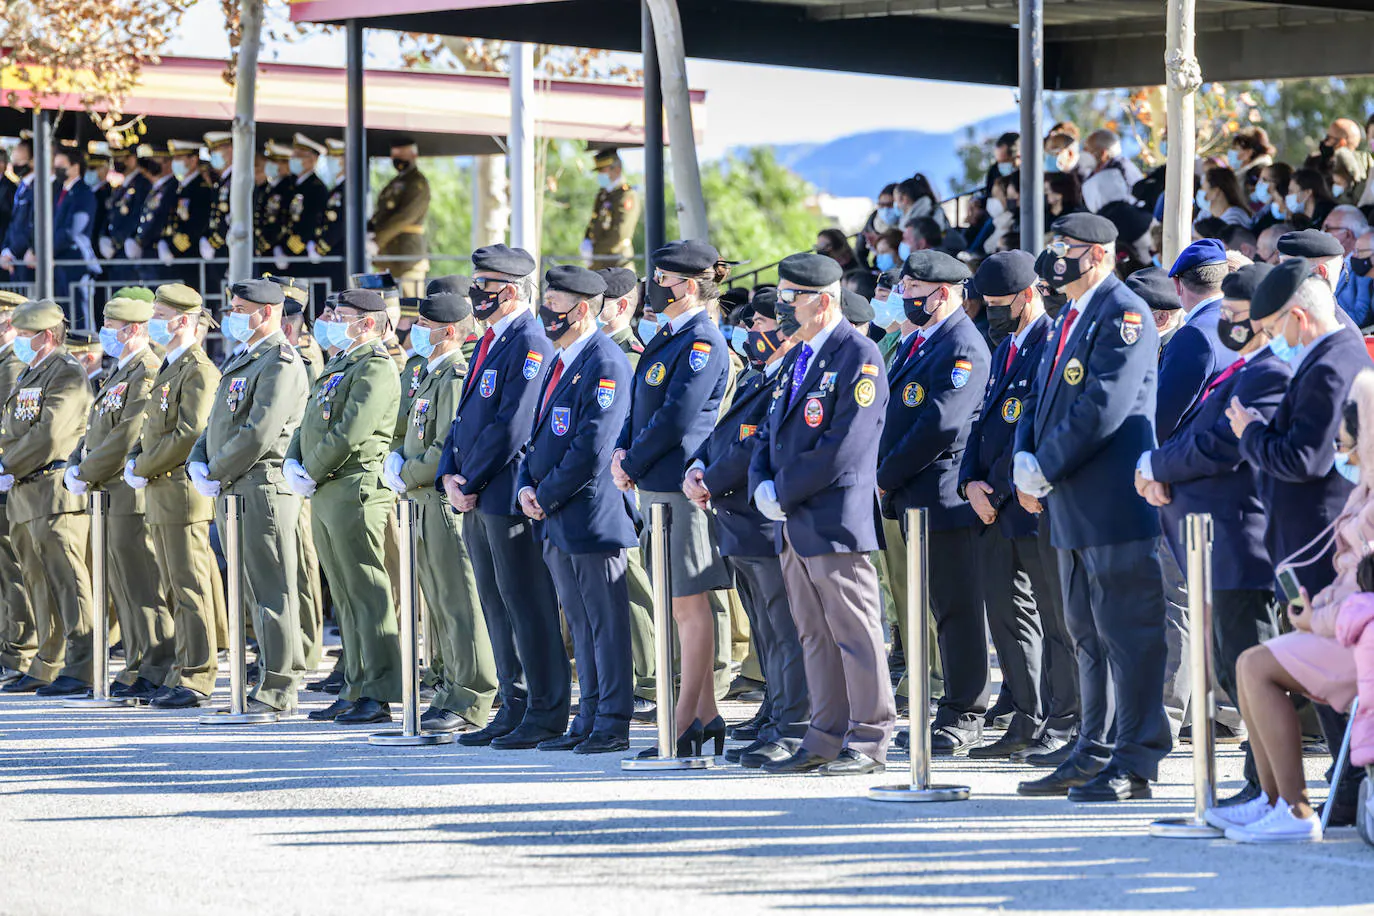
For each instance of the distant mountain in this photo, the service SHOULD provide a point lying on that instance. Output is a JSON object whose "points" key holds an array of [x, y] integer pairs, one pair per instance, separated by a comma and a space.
{"points": [[859, 165]]}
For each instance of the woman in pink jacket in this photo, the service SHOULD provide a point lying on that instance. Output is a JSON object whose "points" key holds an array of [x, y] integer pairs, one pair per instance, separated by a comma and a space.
{"points": [[1310, 661]]}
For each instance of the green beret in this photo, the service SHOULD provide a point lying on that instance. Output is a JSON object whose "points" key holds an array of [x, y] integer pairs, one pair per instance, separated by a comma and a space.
{"points": [[178, 296], [10, 300], [37, 316], [134, 292], [128, 310]]}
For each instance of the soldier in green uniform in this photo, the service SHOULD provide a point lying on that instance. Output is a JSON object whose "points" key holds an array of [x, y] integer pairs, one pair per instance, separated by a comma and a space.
{"points": [[610, 233], [257, 407], [336, 459], [469, 683], [18, 632], [178, 517], [397, 225], [97, 463], [43, 420]]}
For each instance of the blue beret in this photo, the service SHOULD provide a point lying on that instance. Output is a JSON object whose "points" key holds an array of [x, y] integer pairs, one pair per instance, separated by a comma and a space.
{"points": [[382, 280], [1086, 227], [445, 307], [1203, 251], [1310, 243], [619, 281], [512, 262], [855, 308], [454, 283], [262, 292], [1154, 286], [1005, 273], [935, 267], [688, 256], [807, 269], [570, 278], [364, 300], [1242, 284], [1277, 287]]}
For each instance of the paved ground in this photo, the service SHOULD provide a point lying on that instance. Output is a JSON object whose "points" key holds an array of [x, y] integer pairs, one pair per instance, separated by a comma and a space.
{"points": [[143, 812]]}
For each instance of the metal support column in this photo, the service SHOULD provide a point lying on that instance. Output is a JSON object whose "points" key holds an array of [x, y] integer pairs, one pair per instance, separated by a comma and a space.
{"points": [[655, 215], [42, 204], [1032, 124], [355, 155], [524, 233], [98, 502]]}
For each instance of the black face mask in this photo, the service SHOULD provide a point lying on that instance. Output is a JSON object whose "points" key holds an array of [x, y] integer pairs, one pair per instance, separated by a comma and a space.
{"points": [[400, 165], [1361, 266], [21, 170], [660, 298], [787, 318], [1064, 271], [761, 346], [117, 168], [555, 324], [916, 311], [483, 302], [1234, 335], [1001, 324]]}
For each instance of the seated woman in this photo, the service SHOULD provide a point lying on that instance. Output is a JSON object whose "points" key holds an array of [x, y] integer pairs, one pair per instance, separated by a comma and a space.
{"points": [[1309, 661]]}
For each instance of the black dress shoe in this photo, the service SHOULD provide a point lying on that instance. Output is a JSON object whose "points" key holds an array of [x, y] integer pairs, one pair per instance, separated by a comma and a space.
{"points": [[852, 763], [1248, 792], [119, 691], [644, 710], [955, 740], [253, 704], [25, 684], [602, 743], [999, 716], [803, 761], [180, 698], [365, 711], [1053, 758], [563, 742], [769, 752], [1072, 773], [141, 689], [333, 683], [902, 740], [63, 687], [1002, 748], [157, 694], [484, 736], [1114, 784], [742, 685], [733, 754], [524, 738], [331, 712], [1045, 744], [443, 720], [903, 705], [748, 731]]}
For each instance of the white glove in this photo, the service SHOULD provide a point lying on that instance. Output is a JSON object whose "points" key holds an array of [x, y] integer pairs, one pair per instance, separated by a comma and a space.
{"points": [[394, 482], [207, 251], [132, 479], [93, 268], [6, 481], [312, 253], [200, 479], [1026, 474], [164, 253], [279, 258], [585, 249], [300, 482], [393, 463], [132, 250], [766, 498], [107, 248], [72, 482]]}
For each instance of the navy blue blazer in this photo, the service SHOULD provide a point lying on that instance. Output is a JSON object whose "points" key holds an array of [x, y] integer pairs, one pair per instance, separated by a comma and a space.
{"points": [[1192, 356], [568, 460], [741, 530], [487, 440], [820, 448], [1094, 418], [1295, 453], [79, 199], [937, 393], [19, 234], [158, 206], [992, 440], [126, 208], [1205, 472], [673, 403]]}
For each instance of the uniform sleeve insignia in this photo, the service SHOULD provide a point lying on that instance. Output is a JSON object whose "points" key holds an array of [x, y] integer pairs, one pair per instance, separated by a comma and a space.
{"points": [[865, 392], [1011, 410], [1073, 372], [959, 376], [1130, 327], [913, 394], [656, 374], [605, 393], [869, 369], [560, 420], [701, 352], [533, 360], [746, 430], [487, 386]]}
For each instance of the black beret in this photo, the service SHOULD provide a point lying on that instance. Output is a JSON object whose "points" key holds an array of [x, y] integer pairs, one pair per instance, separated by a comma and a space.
{"points": [[688, 256], [1131, 222], [446, 307], [813, 270], [1241, 284], [382, 280], [1044, 265], [454, 283], [765, 302], [855, 308], [1310, 243], [1154, 286], [1005, 273], [889, 278], [513, 262], [1086, 227], [263, 292], [364, 300], [619, 281], [1277, 287], [570, 278], [292, 307], [934, 266], [734, 297]]}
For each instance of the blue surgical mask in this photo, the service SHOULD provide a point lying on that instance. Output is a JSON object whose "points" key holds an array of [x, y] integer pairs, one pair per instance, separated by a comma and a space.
{"points": [[296, 165], [1233, 159], [109, 340], [1347, 470], [885, 312], [903, 252], [1291, 201], [1200, 198], [1275, 210], [1005, 168], [92, 180], [324, 333], [1261, 192], [1051, 162], [1337, 189], [739, 340], [886, 260], [889, 215], [647, 329], [218, 162], [272, 171], [604, 180], [158, 332], [179, 170], [325, 171], [236, 326], [420, 342], [1289, 353], [23, 348]]}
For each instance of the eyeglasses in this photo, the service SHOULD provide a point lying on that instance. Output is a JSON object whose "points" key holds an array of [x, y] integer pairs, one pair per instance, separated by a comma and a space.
{"points": [[789, 296], [665, 279], [1060, 247]]}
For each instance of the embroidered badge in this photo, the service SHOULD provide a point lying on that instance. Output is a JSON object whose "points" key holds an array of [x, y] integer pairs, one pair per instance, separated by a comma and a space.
{"points": [[1011, 410], [183, 209], [746, 430], [487, 387], [865, 392], [701, 352], [238, 387], [415, 378], [913, 394], [814, 412], [533, 360], [560, 420], [166, 390], [1130, 327], [869, 369], [1073, 372], [657, 372], [959, 376], [605, 393], [418, 411]]}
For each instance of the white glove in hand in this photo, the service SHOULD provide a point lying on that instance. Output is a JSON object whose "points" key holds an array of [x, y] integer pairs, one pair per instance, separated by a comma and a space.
{"points": [[766, 499], [392, 464], [6, 482], [132, 250], [200, 479], [73, 483], [207, 251], [132, 479], [1026, 474], [395, 483], [297, 479], [107, 248], [164, 253], [312, 253]]}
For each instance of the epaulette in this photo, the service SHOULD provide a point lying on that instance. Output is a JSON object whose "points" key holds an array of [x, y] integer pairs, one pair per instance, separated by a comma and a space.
{"points": [[636, 346], [287, 353]]}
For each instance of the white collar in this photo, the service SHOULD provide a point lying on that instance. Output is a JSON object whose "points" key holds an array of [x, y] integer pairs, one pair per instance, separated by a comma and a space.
{"points": [[1018, 340], [304, 175], [929, 330], [823, 335], [1199, 307], [174, 355], [162, 180], [771, 369], [125, 359], [571, 351], [680, 322], [435, 364], [69, 183]]}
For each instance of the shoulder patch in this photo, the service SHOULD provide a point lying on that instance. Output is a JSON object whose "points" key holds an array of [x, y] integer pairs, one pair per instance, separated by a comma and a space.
{"points": [[1130, 327], [869, 369]]}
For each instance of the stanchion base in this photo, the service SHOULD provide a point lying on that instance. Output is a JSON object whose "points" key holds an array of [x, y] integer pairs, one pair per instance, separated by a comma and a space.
{"points": [[401, 739], [665, 764], [225, 717], [101, 703], [909, 793], [1184, 828]]}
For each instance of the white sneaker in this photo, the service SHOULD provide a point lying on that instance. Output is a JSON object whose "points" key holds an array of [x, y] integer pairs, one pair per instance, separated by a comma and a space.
{"points": [[1242, 815], [1279, 826]]}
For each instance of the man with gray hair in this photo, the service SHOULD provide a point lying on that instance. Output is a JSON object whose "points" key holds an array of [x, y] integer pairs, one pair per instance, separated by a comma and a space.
{"points": [[1326, 255], [1353, 291]]}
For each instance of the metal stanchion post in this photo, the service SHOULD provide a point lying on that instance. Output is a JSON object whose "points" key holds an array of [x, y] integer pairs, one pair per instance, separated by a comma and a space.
{"points": [[232, 540], [660, 517], [918, 673], [410, 734], [99, 503], [1199, 540]]}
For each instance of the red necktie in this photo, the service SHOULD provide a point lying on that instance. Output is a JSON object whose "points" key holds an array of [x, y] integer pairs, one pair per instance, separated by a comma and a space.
{"points": [[1011, 358], [554, 376], [61, 197], [1069, 319], [1225, 374], [915, 345], [487, 338]]}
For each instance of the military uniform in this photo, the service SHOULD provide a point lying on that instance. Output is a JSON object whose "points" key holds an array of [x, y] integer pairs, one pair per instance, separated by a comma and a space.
{"points": [[270, 230], [126, 211], [305, 216], [158, 208], [190, 221], [615, 215], [398, 225], [18, 636], [330, 240]]}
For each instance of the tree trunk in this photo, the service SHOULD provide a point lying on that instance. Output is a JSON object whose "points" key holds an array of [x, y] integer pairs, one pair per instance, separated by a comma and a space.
{"points": [[245, 142], [677, 99], [490, 211]]}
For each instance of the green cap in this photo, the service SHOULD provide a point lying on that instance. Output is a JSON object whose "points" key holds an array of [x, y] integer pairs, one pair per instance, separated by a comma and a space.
{"points": [[128, 310], [37, 316], [178, 296], [142, 293]]}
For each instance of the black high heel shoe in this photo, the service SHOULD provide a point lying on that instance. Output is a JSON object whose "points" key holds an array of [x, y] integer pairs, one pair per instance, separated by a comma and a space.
{"points": [[689, 744], [715, 729]]}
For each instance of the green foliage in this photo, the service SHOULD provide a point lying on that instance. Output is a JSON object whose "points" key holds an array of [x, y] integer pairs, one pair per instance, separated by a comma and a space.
{"points": [[1297, 112], [450, 209], [569, 193], [975, 155]]}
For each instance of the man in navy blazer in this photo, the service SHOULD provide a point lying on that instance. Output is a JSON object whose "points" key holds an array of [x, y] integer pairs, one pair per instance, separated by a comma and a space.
{"points": [[1194, 353], [18, 241], [1094, 418], [1200, 469], [1018, 569], [939, 387], [813, 470], [478, 471], [566, 485], [72, 223]]}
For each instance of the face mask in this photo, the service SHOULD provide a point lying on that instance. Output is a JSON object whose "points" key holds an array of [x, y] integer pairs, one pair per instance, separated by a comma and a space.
{"points": [[787, 318], [236, 326], [995, 207], [92, 180], [218, 162], [484, 304], [604, 181], [158, 332], [1261, 192], [1361, 266], [915, 310], [179, 170], [324, 333], [272, 171], [1346, 469], [903, 252], [1001, 322], [1285, 351], [109, 339], [326, 171], [1005, 168], [555, 324], [1275, 211], [420, 341], [1337, 189], [1234, 335], [21, 169], [1072, 270], [1293, 204], [739, 340], [661, 298], [1051, 162], [296, 166], [341, 338], [400, 165], [336, 167], [1200, 198], [23, 348], [760, 345], [647, 329], [887, 311], [1233, 159], [886, 261], [889, 215]]}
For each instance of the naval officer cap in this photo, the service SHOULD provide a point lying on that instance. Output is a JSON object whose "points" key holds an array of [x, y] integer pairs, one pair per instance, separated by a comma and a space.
{"points": [[1006, 273], [811, 270], [1154, 286], [686, 256], [39, 315], [931, 266], [1198, 254], [364, 300], [855, 307], [1242, 284], [459, 284], [1086, 227], [1278, 286], [569, 278], [258, 291], [501, 259], [178, 296], [82, 342], [1310, 243], [445, 307], [129, 310], [619, 281]]}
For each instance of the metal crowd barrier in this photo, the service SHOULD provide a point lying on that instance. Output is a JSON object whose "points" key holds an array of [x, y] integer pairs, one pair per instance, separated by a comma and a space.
{"points": [[98, 502]]}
